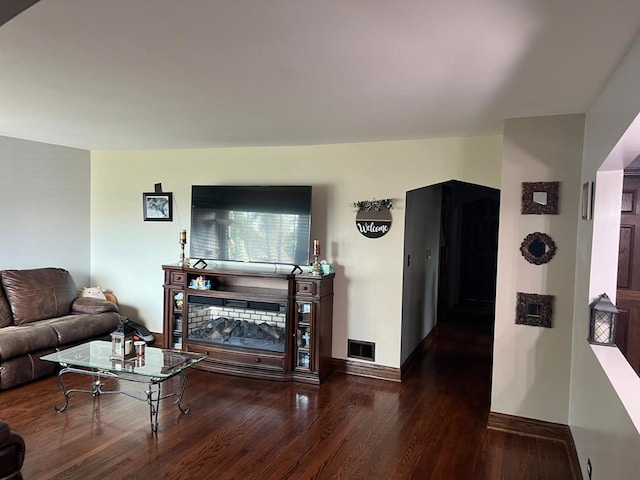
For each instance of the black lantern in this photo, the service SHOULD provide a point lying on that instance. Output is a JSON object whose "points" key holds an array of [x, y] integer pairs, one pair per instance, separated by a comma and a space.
{"points": [[602, 324], [122, 341]]}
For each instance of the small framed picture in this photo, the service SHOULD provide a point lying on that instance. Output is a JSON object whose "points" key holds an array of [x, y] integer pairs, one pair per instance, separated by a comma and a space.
{"points": [[540, 198], [534, 310], [157, 207], [587, 200]]}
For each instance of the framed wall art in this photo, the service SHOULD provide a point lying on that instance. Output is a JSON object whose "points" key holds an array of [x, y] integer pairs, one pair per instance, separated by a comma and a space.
{"points": [[540, 198], [157, 207], [587, 200], [534, 310]]}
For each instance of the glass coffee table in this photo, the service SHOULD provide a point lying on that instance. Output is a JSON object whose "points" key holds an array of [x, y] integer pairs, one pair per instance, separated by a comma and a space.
{"points": [[153, 368]]}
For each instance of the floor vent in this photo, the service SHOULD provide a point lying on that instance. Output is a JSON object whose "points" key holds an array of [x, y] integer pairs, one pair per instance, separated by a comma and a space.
{"points": [[360, 349]]}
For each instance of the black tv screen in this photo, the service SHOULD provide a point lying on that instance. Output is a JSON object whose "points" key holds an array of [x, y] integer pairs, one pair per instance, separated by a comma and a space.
{"points": [[255, 224]]}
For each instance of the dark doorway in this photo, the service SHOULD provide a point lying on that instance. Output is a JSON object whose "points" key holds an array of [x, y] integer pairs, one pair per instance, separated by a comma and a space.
{"points": [[468, 255], [450, 258]]}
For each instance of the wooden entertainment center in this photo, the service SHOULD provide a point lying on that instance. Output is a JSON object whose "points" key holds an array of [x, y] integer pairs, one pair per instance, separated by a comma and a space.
{"points": [[262, 325]]}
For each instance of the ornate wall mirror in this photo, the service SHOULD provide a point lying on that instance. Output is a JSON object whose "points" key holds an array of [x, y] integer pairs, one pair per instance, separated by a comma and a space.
{"points": [[538, 248], [540, 198], [534, 310]]}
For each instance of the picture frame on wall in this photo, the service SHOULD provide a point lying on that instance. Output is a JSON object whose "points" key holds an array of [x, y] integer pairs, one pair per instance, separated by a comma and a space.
{"points": [[540, 198], [587, 200], [157, 207], [534, 310]]}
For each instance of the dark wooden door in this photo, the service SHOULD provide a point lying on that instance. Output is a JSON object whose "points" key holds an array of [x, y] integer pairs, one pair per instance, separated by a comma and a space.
{"points": [[628, 294], [479, 256]]}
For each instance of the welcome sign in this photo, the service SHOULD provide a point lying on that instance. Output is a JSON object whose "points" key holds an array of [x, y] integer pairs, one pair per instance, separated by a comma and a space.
{"points": [[373, 219]]}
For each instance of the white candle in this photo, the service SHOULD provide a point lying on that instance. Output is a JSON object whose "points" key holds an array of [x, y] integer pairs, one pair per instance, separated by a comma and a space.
{"points": [[316, 247], [183, 235], [602, 330]]}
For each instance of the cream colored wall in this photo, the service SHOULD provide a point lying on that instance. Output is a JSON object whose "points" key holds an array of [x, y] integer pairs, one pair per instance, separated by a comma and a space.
{"points": [[602, 428], [127, 253], [44, 207], [531, 365]]}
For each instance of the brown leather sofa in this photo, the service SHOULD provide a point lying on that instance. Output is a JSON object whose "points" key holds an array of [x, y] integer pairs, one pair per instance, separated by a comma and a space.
{"points": [[40, 312], [12, 452]]}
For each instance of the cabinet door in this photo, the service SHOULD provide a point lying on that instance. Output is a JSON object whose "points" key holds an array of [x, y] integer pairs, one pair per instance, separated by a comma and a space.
{"points": [[304, 348], [177, 308]]}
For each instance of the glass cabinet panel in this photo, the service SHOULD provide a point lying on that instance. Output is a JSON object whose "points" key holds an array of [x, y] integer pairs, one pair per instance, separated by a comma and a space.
{"points": [[304, 316], [176, 328]]}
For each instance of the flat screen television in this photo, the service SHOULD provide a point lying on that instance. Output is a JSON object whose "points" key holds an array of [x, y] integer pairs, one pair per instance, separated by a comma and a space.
{"points": [[251, 224]]}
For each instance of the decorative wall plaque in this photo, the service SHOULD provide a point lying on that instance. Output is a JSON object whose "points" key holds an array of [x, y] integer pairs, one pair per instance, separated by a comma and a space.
{"points": [[373, 219], [534, 310], [538, 248], [540, 198]]}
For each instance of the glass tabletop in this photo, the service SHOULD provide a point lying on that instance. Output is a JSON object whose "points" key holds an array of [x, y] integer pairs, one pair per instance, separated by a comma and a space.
{"points": [[96, 354]]}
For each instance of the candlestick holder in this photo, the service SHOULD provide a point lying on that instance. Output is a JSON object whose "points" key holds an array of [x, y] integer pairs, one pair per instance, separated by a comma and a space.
{"points": [[316, 253], [183, 241], [316, 266]]}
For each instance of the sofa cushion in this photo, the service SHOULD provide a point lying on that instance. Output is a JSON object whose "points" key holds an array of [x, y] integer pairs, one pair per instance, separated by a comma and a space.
{"points": [[5, 310], [75, 328], [20, 340], [25, 368], [92, 306], [39, 293]]}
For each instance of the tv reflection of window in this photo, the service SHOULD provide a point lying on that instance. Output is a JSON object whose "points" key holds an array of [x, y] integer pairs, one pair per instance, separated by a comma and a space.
{"points": [[254, 224], [261, 237]]}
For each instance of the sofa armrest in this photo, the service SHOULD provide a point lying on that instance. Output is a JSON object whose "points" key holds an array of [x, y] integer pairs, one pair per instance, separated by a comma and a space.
{"points": [[9, 439], [21, 448], [5, 432], [92, 306]]}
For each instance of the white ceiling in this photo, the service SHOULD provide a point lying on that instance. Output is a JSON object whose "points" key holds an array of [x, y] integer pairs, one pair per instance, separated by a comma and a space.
{"points": [[136, 74]]}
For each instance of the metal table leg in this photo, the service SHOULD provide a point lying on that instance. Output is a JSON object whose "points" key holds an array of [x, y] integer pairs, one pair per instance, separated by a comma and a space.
{"points": [[154, 395], [96, 389]]}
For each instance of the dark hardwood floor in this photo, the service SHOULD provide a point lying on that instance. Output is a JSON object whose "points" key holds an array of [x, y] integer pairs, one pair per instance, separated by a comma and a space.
{"points": [[430, 426]]}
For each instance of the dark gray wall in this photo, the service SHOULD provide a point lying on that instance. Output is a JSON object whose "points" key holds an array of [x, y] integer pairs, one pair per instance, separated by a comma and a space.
{"points": [[420, 276]]}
